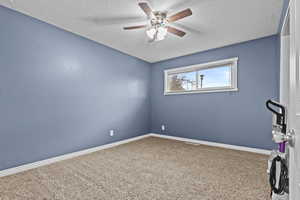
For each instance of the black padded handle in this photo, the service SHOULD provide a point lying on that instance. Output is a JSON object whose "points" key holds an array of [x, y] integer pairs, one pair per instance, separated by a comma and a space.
{"points": [[280, 115], [274, 103]]}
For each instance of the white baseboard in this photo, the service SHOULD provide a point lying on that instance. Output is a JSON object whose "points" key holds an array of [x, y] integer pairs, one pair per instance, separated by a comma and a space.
{"points": [[227, 146], [33, 165]]}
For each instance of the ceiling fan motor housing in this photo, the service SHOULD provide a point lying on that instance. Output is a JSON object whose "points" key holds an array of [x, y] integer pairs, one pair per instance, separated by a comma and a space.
{"points": [[159, 19]]}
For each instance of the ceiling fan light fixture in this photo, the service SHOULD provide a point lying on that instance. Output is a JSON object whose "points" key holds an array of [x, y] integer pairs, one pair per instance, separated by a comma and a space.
{"points": [[151, 32], [161, 33], [158, 33]]}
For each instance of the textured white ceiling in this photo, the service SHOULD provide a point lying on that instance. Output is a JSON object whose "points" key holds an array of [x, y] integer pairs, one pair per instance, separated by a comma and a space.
{"points": [[214, 23]]}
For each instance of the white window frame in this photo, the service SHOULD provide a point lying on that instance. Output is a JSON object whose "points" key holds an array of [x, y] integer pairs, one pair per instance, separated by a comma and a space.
{"points": [[233, 62]]}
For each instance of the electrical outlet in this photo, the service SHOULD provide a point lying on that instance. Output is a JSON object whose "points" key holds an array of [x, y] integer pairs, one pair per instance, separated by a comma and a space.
{"points": [[111, 133], [163, 127]]}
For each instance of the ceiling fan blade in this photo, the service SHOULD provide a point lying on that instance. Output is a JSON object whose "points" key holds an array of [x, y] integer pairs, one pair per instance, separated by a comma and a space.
{"points": [[146, 8], [134, 27], [180, 15], [176, 31], [187, 28]]}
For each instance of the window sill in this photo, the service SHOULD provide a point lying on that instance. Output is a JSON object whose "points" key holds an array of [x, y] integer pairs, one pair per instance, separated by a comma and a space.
{"points": [[202, 91]]}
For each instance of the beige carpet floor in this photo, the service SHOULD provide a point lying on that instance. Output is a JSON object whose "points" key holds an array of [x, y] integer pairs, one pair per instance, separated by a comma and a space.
{"points": [[151, 168]]}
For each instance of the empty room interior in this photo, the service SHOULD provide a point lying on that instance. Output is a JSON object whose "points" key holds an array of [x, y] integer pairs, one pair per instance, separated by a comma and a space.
{"points": [[150, 100]]}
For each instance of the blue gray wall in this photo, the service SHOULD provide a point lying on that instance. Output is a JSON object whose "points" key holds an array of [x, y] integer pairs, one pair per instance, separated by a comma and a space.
{"points": [[61, 93], [237, 118]]}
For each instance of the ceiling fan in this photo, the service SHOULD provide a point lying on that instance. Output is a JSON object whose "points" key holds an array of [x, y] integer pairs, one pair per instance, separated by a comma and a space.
{"points": [[159, 23]]}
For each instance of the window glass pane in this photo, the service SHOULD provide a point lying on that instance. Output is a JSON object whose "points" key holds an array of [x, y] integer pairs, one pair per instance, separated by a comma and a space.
{"points": [[182, 82], [208, 77], [214, 77]]}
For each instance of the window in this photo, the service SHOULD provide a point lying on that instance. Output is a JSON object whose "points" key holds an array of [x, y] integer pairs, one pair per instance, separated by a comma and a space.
{"points": [[216, 76]]}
